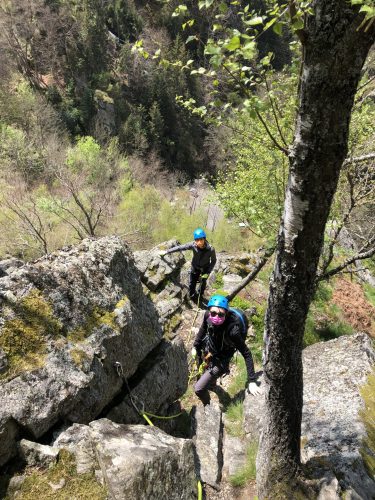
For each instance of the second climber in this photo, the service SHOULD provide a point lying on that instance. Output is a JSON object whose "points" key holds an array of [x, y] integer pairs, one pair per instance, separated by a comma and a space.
{"points": [[202, 264]]}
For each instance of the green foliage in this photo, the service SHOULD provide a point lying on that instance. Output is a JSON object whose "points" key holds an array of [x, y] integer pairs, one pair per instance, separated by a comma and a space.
{"points": [[324, 320], [23, 338], [82, 486], [240, 302], [252, 191], [219, 281], [248, 471], [175, 222], [258, 325], [367, 415], [230, 237], [138, 216], [370, 293], [97, 318], [18, 155], [85, 157]]}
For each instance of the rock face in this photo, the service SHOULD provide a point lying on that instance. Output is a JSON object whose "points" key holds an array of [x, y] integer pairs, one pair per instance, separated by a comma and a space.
{"points": [[332, 431], [90, 310], [167, 375], [331, 428], [208, 442], [162, 279], [240, 264], [135, 461]]}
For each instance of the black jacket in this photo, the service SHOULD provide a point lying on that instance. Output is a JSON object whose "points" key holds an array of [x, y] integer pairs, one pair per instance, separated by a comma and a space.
{"points": [[203, 259], [222, 341]]}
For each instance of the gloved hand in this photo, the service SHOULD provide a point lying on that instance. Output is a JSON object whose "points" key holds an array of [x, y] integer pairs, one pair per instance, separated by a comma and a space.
{"points": [[204, 276], [254, 389], [194, 353]]}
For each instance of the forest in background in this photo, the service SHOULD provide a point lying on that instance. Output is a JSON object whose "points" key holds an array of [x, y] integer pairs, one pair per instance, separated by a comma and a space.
{"points": [[120, 117], [107, 114]]}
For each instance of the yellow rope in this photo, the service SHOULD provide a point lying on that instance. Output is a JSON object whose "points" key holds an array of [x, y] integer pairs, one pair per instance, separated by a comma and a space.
{"points": [[200, 493], [163, 417], [147, 419]]}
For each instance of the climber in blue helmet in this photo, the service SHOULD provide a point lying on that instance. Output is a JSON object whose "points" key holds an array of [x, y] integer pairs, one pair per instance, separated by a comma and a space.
{"points": [[203, 262], [222, 332]]}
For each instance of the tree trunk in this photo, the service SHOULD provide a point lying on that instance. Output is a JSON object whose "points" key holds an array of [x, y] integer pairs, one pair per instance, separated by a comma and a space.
{"points": [[334, 53]]}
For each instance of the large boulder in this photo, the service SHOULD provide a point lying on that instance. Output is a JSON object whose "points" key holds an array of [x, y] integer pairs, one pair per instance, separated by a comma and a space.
{"points": [[65, 320], [166, 373], [207, 431], [332, 430], [136, 461]]}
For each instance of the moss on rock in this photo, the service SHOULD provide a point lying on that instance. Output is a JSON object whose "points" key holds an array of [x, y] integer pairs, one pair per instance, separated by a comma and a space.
{"points": [[368, 418], [24, 337], [60, 482], [96, 319]]}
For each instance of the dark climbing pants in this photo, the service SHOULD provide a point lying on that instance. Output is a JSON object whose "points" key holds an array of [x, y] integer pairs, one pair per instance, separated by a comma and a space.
{"points": [[206, 383], [194, 278]]}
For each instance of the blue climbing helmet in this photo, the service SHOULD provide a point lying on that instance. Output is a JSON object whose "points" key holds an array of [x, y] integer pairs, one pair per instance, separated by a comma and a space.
{"points": [[218, 301], [199, 233]]}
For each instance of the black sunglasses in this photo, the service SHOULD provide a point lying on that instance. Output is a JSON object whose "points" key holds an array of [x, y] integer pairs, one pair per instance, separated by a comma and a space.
{"points": [[214, 313]]}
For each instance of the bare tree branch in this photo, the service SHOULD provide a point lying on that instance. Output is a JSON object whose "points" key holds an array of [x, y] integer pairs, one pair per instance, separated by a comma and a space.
{"points": [[345, 264], [261, 262], [358, 159]]}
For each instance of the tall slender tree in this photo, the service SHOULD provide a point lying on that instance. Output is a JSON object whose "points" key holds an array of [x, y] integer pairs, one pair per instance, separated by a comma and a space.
{"points": [[336, 41]]}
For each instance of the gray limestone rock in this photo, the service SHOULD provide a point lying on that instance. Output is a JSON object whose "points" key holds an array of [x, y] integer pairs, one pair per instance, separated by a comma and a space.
{"points": [[7, 265], [332, 430], [77, 439], [3, 361], [96, 295], [239, 264], [137, 461], [36, 454], [207, 427], [231, 281], [234, 455], [254, 408], [167, 374], [156, 270]]}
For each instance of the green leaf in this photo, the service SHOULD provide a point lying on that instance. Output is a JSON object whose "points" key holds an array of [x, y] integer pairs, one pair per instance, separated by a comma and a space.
{"points": [[278, 28], [233, 44], [270, 23], [216, 60], [255, 21], [212, 49], [298, 24], [223, 8], [191, 38]]}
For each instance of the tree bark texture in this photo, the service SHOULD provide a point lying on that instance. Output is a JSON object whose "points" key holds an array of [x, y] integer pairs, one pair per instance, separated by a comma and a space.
{"points": [[334, 53]]}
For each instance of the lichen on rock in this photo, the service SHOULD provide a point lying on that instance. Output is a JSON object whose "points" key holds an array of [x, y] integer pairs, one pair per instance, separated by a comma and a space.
{"points": [[24, 337]]}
